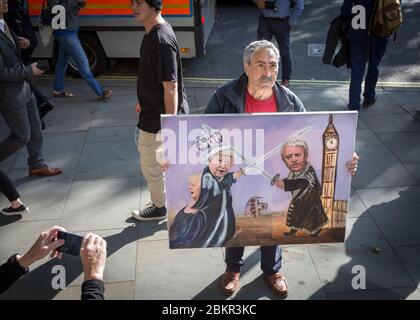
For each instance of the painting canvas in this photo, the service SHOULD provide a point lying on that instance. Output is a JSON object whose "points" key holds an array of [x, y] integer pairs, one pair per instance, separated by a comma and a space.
{"points": [[261, 179]]}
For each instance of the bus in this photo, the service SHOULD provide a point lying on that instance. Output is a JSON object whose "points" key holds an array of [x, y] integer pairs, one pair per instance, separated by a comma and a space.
{"points": [[108, 30]]}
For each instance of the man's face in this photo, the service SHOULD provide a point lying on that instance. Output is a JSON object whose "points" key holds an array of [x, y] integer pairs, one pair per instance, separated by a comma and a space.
{"points": [[141, 10], [3, 7], [220, 165], [194, 187], [294, 158], [262, 70]]}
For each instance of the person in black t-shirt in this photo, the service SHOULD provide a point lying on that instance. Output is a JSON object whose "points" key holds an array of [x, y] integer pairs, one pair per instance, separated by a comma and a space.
{"points": [[160, 91]]}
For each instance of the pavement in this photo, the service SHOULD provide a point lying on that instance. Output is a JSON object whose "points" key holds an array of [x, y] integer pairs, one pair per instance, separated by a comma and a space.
{"points": [[94, 143]]}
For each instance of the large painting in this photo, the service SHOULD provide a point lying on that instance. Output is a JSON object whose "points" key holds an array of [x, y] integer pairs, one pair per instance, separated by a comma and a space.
{"points": [[261, 179]]}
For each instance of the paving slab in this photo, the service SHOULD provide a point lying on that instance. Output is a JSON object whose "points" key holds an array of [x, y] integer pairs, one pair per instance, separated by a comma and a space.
{"points": [[111, 134], [321, 100], [390, 294], [414, 169], [45, 196], [391, 123], [384, 104], [356, 207], [364, 236], [404, 97], [193, 275], [101, 204], [59, 150], [405, 146], [110, 159], [378, 167], [113, 291], [365, 137], [410, 258], [395, 210], [69, 123], [334, 265]]}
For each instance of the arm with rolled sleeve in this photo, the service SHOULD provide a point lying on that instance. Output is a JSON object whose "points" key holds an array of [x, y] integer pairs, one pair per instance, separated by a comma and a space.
{"points": [[297, 12]]}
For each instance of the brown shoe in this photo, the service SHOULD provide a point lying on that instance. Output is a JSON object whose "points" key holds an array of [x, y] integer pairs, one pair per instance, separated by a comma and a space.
{"points": [[229, 282], [279, 284], [106, 94], [285, 83], [45, 171]]}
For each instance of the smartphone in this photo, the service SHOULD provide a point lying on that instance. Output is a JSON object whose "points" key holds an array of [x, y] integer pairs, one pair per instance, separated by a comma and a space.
{"points": [[43, 65], [72, 244]]}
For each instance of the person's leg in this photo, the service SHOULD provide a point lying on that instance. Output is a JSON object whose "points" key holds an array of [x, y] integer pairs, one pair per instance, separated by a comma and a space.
{"points": [[264, 32], [281, 29], [271, 259], [234, 262], [7, 188], [233, 259], [34, 146], [147, 145], [377, 48], [358, 57], [78, 55], [62, 62], [16, 117]]}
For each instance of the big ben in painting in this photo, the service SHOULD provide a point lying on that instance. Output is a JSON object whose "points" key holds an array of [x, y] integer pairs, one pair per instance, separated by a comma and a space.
{"points": [[330, 140]]}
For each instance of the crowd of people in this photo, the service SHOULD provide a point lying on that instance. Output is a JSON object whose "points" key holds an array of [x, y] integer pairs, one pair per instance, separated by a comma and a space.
{"points": [[160, 90]]}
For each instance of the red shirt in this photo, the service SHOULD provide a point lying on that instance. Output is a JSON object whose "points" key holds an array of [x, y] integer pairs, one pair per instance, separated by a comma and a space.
{"points": [[255, 106]]}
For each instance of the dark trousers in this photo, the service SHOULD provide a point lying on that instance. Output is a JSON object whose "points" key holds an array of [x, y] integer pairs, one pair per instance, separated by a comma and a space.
{"points": [[363, 51], [25, 129], [270, 259], [280, 29], [7, 187]]}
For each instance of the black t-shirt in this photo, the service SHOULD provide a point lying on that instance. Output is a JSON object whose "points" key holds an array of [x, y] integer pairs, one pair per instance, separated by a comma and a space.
{"points": [[160, 60]]}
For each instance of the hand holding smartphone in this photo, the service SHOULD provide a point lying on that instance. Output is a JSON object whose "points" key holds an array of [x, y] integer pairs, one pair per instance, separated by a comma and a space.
{"points": [[43, 65], [72, 244]]}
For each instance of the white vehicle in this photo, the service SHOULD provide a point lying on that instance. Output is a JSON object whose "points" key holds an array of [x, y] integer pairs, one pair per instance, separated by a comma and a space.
{"points": [[108, 30]]}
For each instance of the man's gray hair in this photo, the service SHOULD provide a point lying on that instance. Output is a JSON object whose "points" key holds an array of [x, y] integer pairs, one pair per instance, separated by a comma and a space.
{"points": [[295, 142], [255, 46]]}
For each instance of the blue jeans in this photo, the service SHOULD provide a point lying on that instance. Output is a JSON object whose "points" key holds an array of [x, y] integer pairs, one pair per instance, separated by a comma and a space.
{"points": [[270, 259], [361, 52], [280, 28], [70, 47]]}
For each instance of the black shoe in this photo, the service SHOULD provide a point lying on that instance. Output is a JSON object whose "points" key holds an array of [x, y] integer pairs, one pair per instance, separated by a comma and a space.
{"points": [[369, 102], [353, 108], [150, 213], [292, 232], [13, 211], [106, 94]]}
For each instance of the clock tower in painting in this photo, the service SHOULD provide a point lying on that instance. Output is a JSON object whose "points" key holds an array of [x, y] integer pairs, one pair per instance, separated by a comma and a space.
{"points": [[330, 140]]}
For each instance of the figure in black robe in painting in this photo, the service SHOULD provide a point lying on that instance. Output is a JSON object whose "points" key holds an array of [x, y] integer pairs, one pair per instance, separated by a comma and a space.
{"points": [[211, 222], [305, 210]]}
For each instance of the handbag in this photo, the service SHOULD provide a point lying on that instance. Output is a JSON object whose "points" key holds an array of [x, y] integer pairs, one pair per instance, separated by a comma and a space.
{"points": [[45, 27]]}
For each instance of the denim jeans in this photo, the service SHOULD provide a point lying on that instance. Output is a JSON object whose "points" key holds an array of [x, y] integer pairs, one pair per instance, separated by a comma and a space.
{"points": [[271, 258], [280, 28], [362, 51], [70, 47]]}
